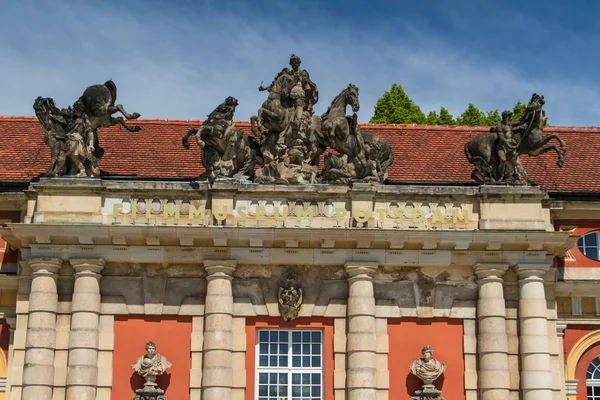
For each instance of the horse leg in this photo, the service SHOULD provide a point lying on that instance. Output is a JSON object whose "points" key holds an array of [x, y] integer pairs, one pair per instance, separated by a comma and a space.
{"points": [[120, 120], [119, 107], [184, 140], [547, 148]]}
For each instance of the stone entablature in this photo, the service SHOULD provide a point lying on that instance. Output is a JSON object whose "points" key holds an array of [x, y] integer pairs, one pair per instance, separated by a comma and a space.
{"points": [[234, 203]]}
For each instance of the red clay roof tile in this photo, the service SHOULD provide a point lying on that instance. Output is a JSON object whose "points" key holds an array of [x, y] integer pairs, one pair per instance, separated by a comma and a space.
{"points": [[424, 154]]}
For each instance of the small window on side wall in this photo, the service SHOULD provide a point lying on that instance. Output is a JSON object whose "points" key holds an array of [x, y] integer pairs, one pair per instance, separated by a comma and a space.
{"points": [[588, 244]]}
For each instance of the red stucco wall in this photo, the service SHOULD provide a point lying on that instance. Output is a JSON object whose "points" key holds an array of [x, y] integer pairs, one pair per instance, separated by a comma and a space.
{"points": [[407, 336], [172, 336]]}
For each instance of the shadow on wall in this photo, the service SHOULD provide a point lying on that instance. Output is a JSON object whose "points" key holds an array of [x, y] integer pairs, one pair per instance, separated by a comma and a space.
{"points": [[137, 381], [413, 383]]}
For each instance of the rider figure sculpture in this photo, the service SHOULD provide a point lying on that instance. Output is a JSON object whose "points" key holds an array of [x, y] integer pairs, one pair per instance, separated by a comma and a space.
{"points": [[507, 145], [304, 94]]}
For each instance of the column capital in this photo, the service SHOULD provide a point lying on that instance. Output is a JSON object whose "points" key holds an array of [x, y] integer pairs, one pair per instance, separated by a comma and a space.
{"points": [[364, 270], [490, 270], [45, 266], [525, 271], [87, 265], [220, 268]]}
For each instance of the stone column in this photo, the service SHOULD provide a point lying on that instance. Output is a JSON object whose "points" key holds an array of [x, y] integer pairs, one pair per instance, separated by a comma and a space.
{"points": [[38, 371], [361, 347], [492, 345], [82, 369], [536, 375], [217, 368]]}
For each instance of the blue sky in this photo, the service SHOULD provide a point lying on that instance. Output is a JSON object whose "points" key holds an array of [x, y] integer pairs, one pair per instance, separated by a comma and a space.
{"points": [[179, 59]]}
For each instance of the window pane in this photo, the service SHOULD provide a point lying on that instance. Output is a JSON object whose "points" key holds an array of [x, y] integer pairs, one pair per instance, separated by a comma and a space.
{"points": [[316, 337], [283, 336], [296, 348], [306, 337], [274, 336], [263, 336], [316, 362], [263, 361], [296, 336], [591, 239]]}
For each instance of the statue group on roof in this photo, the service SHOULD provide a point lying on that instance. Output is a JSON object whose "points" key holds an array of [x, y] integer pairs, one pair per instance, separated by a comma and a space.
{"points": [[289, 142]]}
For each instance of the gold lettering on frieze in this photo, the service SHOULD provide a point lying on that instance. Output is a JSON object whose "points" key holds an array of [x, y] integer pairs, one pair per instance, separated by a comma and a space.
{"points": [[417, 215]]}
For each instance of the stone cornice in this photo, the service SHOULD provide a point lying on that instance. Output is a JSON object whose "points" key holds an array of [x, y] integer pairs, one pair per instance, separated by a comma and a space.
{"points": [[26, 235]]}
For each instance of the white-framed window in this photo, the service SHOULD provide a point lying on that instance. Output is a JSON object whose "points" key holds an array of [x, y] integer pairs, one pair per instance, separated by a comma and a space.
{"points": [[592, 379], [289, 364], [589, 245]]}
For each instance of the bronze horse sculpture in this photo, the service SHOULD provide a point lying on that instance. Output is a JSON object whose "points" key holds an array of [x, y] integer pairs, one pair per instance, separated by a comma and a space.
{"points": [[490, 152]]}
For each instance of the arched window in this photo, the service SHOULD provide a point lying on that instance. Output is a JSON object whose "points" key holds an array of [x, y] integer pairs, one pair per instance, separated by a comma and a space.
{"points": [[592, 380], [589, 244]]}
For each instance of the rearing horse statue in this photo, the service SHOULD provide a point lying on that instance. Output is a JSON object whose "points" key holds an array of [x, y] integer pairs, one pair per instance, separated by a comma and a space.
{"points": [[495, 154]]}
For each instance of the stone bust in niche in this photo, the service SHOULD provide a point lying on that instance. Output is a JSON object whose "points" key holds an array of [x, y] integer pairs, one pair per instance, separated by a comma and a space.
{"points": [[428, 369], [150, 365]]}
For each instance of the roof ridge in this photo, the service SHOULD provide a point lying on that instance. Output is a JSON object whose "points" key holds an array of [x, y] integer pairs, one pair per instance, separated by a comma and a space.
{"points": [[569, 128]]}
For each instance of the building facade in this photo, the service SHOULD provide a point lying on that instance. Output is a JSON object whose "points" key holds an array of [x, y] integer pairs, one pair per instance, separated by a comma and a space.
{"points": [[266, 291]]}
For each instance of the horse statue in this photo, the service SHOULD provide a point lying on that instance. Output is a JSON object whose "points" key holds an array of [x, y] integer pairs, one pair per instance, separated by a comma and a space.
{"points": [[496, 154], [362, 157], [66, 130], [70, 138], [226, 151]]}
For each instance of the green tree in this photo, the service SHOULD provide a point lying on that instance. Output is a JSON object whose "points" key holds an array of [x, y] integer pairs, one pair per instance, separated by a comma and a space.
{"points": [[432, 118], [445, 117], [395, 107], [472, 116], [518, 111], [492, 118]]}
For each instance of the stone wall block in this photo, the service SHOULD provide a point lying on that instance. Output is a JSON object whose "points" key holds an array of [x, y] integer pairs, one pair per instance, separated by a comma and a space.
{"points": [[82, 356], [362, 378], [222, 376], [218, 340], [44, 301], [43, 374], [89, 302], [82, 375]]}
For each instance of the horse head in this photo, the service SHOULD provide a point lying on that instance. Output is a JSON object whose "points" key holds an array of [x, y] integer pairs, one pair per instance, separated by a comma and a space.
{"points": [[536, 102], [352, 97], [225, 110]]}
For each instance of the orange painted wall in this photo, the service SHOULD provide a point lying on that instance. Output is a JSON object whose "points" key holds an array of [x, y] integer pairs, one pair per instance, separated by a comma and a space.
{"points": [[254, 323], [172, 336], [407, 336], [573, 334]]}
